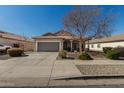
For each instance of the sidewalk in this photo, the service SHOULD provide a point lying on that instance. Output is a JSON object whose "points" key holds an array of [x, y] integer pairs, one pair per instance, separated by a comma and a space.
{"points": [[65, 69], [115, 82]]}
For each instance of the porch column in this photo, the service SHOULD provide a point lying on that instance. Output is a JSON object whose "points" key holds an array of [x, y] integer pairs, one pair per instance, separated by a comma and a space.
{"points": [[62, 45], [36, 46], [71, 44]]}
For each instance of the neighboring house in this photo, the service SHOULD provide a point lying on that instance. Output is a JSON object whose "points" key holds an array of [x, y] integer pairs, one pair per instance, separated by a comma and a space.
{"points": [[16, 41], [98, 44], [53, 42]]}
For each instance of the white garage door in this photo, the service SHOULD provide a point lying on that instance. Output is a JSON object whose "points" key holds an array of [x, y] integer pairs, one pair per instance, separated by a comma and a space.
{"points": [[48, 46]]}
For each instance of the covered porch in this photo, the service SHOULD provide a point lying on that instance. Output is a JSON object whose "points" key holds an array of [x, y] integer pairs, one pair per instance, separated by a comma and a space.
{"points": [[72, 45]]}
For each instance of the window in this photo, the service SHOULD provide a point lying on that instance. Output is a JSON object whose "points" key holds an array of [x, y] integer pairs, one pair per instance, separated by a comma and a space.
{"points": [[92, 46], [98, 45]]}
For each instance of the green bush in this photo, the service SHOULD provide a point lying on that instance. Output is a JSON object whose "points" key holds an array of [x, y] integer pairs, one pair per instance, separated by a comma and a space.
{"points": [[113, 54], [120, 50], [85, 56], [106, 49], [15, 52], [63, 54]]}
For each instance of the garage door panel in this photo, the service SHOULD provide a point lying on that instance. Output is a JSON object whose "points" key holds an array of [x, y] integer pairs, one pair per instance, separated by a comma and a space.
{"points": [[48, 46]]}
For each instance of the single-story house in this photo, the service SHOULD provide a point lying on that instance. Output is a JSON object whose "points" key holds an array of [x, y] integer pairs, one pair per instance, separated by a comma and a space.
{"points": [[63, 40], [98, 44], [14, 40], [53, 42]]}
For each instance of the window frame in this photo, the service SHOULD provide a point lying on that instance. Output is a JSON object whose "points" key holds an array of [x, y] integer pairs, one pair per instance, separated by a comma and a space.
{"points": [[92, 45], [98, 45]]}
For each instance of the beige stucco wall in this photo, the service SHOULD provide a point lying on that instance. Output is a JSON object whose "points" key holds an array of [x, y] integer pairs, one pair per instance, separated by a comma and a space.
{"points": [[111, 44], [49, 40], [26, 45]]}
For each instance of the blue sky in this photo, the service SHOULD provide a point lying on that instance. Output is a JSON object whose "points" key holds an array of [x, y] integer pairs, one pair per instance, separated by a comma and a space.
{"points": [[37, 20]]}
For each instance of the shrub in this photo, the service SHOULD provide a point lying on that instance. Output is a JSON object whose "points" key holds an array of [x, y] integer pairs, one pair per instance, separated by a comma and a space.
{"points": [[15, 52], [106, 49], [85, 56], [113, 54], [120, 50], [63, 54]]}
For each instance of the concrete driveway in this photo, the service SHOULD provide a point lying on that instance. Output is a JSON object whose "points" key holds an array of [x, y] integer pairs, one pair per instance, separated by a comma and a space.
{"points": [[35, 70], [32, 70]]}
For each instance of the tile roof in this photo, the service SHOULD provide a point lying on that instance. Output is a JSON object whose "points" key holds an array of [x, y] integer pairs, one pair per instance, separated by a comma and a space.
{"points": [[49, 34], [63, 33], [60, 34], [12, 36], [108, 39]]}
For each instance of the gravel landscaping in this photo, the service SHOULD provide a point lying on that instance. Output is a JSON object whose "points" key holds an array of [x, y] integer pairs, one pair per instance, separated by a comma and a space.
{"points": [[97, 55], [97, 70]]}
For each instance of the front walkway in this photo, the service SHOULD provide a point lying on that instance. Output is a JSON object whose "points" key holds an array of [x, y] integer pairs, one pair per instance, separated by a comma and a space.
{"points": [[65, 69]]}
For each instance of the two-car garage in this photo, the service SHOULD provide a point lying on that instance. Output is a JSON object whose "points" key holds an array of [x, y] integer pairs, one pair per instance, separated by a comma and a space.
{"points": [[48, 46]]}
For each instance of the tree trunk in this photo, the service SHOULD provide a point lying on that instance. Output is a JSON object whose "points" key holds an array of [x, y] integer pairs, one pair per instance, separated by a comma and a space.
{"points": [[80, 46], [84, 46], [88, 45]]}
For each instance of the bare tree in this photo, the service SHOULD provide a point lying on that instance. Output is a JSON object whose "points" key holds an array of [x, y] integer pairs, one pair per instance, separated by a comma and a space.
{"points": [[88, 22]]}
